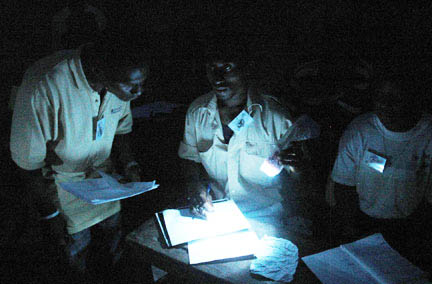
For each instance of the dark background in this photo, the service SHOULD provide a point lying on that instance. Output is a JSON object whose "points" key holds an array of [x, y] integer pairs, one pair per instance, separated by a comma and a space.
{"points": [[280, 34]]}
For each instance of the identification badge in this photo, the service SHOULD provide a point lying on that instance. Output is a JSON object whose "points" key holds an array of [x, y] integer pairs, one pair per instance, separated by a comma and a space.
{"points": [[241, 122], [375, 161], [100, 128]]}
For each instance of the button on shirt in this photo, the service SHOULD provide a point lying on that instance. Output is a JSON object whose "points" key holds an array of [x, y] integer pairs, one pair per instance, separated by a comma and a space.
{"points": [[406, 180], [234, 167], [54, 124]]}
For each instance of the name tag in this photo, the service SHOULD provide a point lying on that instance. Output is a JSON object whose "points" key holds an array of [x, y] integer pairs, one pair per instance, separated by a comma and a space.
{"points": [[241, 122], [375, 161], [100, 128]]}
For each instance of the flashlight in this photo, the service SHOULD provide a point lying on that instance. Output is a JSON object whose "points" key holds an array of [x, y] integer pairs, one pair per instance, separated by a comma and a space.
{"points": [[271, 166], [303, 129]]}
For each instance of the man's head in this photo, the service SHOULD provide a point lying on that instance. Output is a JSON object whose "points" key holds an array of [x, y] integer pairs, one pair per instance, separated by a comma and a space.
{"points": [[395, 100], [124, 68], [226, 59], [128, 84], [77, 6]]}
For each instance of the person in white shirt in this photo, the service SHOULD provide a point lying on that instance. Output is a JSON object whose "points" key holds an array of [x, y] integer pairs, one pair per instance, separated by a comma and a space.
{"points": [[222, 158], [71, 109], [383, 168]]}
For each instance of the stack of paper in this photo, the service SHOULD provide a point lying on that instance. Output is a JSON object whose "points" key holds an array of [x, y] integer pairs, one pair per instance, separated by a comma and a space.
{"points": [[369, 260], [232, 245], [225, 233], [106, 189]]}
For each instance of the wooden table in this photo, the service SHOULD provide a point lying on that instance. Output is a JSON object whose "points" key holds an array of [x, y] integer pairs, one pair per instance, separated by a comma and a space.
{"points": [[148, 245]]}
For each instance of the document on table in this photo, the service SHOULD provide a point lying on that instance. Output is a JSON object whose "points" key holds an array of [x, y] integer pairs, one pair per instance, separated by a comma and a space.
{"points": [[369, 260], [106, 189], [231, 245], [180, 226]]}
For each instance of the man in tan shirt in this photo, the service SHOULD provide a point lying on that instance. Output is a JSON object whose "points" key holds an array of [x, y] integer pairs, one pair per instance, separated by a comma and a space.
{"points": [[223, 160], [71, 109]]}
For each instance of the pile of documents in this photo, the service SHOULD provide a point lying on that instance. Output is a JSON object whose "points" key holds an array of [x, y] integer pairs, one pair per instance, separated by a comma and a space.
{"points": [[224, 234], [366, 261], [106, 189]]}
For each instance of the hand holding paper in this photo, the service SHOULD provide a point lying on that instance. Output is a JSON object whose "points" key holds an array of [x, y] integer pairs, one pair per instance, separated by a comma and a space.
{"points": [[106, 189]]}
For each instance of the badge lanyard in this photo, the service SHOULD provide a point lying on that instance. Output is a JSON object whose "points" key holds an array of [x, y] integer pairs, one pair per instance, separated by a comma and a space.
{"points": [[242, 121]]}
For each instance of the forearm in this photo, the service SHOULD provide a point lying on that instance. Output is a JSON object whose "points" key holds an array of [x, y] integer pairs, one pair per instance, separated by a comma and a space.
{"points": [[41, 191], [122, 146], [194, 173]]}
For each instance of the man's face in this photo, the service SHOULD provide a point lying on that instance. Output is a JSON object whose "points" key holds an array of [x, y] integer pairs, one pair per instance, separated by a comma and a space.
{"points": [[390, 103], [225, 78], [130, 85]]}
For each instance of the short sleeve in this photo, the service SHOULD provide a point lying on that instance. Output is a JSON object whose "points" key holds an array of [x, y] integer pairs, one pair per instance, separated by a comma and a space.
{"points": [[125, 123], [345, 167], [188, 146], [33, 125]]}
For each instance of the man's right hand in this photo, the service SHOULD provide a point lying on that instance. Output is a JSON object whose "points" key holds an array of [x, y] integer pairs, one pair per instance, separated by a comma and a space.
{"points": [[200, 200], [54, 230]]}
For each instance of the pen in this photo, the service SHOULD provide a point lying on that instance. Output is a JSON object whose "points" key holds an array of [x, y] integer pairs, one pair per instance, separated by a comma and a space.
{"points": [[208, 189], [201, 208]]}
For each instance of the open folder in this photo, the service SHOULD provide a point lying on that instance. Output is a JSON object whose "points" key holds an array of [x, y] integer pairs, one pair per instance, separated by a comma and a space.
{"points": [[106, 189], [179, 226], [225, 234]]}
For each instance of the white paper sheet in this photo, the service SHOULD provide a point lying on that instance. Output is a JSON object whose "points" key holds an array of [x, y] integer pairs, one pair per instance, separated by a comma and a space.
{"points": [[106, 189], [376, 256], [182, 227], [336, 267], [369, 260], [231, 245]]}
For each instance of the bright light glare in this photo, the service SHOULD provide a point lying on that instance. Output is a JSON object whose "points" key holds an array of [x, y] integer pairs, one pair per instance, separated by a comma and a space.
{"points": [[377, 166], [270, 168], [221, 247]]}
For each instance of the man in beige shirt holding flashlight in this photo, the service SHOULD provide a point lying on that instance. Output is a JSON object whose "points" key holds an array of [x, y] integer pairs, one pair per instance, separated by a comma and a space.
{"points": [[229, 133]]}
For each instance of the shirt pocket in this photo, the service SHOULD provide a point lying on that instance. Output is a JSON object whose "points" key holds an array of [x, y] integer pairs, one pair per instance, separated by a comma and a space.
{"points": [[370, 183], [213, 158], [252, 158], [260, 149]]}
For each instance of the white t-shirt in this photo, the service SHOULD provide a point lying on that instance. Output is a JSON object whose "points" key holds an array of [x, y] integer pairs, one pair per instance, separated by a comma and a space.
{"points": [[406, 179]]}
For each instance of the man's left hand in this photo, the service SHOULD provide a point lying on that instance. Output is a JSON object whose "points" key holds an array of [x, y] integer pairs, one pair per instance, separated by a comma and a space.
{"points": [[292, 156]]}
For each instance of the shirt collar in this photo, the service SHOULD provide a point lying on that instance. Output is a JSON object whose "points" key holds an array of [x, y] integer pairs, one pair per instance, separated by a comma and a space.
{"points": [[254, 102]]}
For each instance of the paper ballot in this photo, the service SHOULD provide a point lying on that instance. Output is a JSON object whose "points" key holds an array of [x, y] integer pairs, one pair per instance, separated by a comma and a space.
{"points": [[369, 260], [106, 189], [180, 226], [231, 245]]}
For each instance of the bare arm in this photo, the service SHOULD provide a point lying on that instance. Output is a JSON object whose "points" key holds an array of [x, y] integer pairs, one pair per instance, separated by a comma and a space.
{"points": [[122, 145], [196, 181], [43, 194], [347, 209], [126, 158], [44, 197]]}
